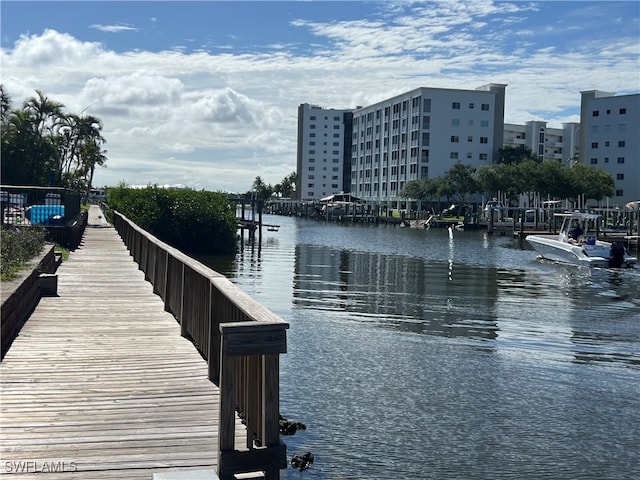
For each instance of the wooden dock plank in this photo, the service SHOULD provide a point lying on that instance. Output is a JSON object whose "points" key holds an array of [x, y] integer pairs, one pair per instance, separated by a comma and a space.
{"points": [[99, 382]]}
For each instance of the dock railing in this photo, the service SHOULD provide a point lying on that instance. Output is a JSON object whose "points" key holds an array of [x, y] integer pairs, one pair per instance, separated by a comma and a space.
{"points": [[240, 339]]}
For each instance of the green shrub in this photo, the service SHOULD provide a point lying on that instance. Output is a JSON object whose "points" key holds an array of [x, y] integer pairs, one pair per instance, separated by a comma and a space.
{"points": [[189, 220], [19, 245]]}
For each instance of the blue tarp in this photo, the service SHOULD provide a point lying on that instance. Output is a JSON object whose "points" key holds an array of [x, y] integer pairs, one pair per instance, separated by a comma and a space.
{"points": [[45, 214]]}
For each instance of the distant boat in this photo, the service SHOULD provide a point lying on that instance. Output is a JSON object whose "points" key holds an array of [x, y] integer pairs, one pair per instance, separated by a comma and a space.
{"points": [[577, 244]]}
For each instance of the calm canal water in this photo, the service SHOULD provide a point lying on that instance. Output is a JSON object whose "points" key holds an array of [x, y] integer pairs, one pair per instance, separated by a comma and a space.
{"points": [[416, 355]]}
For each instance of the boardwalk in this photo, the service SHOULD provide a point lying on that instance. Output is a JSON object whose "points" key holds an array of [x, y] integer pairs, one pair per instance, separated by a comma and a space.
{"points": [[99, 383]]}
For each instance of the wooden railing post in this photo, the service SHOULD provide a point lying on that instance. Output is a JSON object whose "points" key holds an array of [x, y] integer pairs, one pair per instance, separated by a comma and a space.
{"points": [[265, 341], [240, 339]]}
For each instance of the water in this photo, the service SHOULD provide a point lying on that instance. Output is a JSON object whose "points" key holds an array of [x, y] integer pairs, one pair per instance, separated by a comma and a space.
{"points": [[414, 354]]}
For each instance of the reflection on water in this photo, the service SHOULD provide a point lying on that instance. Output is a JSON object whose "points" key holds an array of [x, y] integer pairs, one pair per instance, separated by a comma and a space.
{"points": [[406, 293], [419, 354]]}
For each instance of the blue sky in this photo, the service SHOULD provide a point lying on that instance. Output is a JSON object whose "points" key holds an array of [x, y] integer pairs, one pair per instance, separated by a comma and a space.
{"points": [[206, 93]]}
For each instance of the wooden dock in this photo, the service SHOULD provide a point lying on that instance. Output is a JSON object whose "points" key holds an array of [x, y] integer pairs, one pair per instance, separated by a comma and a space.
{"points": [[100, 384]]}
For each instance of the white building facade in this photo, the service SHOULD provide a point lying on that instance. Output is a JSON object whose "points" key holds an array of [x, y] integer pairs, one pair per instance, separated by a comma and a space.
{"points": [[548, 144], [324, 152], [422, 134], [610, 140]]}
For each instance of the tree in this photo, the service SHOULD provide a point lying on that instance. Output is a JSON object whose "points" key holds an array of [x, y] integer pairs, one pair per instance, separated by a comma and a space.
{"points": [[41, 145], [287, 187], [497, 178], [5, 104], [592, 183], [81, 150], [46, 114], [261, 189], [513, 155], [527, 179], [460, 182]]}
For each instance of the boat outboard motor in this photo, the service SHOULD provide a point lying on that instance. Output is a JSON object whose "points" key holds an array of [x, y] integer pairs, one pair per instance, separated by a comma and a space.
{"points": [[616, 255]]}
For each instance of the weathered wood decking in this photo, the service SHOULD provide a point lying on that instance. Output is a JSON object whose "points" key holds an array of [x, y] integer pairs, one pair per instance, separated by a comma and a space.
{"points": [[100, 384]]}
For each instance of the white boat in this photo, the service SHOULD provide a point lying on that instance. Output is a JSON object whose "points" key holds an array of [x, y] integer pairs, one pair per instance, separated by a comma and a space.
{"points": [[577, 243]]}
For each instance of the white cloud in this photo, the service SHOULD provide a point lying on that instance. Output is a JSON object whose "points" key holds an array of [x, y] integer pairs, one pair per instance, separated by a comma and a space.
{"points": [[217, 120], [113, 28]]}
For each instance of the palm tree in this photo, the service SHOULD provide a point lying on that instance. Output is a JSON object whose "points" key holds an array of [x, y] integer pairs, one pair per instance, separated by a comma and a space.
{"points": [[5, 105], [46, 114], [93, 157], [81, 148]]}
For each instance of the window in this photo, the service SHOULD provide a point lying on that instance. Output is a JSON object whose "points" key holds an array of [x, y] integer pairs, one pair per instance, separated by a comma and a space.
{"points": [[484, 123], [484, 139], [310, 185], [485, 107], [426, 104], [594, 161], [620, 176], [623, 111], [469, 155], [455, 105], [337, 119], [620, 159], [595, 113], [311, 152], [454, 139], [606, 159], [455, 122], [471, 106], [312, 143], [469, 138], [594, 144], [453, 155], [621, 143], [484, 156], [312, 126], [606, 144], [619, 193], [312, 117]]}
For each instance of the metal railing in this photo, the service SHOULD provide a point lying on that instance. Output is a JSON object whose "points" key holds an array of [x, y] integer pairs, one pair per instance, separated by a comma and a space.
{"points": [[240, 339], [49, 206]]}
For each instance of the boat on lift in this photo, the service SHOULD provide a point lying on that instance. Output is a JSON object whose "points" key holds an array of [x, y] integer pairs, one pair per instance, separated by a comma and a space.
{"points": [[577, 243]]}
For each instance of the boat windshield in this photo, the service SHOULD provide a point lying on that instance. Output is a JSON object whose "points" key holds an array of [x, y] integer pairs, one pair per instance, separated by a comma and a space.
{"points": [[577, 226]]}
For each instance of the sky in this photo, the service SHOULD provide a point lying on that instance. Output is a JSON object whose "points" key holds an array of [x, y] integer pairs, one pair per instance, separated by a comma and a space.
{"points": [[205, 94]]}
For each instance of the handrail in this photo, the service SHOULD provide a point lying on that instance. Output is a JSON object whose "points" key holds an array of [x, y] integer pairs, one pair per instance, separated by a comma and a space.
{"points": [[240, 339]]}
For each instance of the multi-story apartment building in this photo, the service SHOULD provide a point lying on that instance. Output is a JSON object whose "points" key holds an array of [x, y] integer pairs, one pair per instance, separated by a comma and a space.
{"points": [[557, 144], [422, 134], [609, 139], [324, 152], [373, 151]]}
